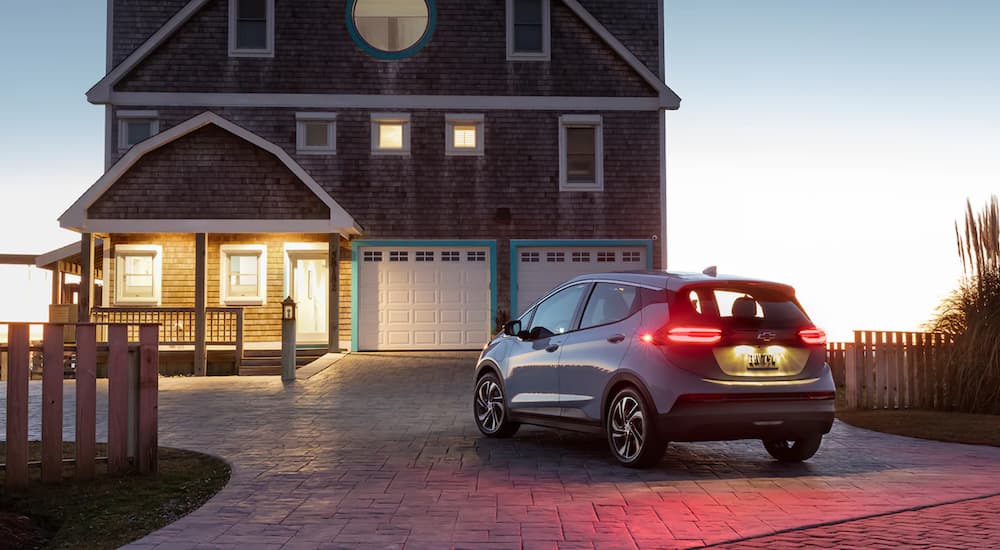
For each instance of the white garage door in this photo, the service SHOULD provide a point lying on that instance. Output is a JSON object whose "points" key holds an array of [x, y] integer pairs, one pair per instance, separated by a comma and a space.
{"points": [[540, 269], [423, 298]]}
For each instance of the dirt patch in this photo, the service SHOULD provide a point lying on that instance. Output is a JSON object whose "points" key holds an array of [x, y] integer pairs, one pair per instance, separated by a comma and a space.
{"points": [[19, 532]]}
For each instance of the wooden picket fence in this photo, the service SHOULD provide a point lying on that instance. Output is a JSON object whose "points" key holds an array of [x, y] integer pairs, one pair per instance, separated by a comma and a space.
{"points": [[894, 370], [142, 390]]}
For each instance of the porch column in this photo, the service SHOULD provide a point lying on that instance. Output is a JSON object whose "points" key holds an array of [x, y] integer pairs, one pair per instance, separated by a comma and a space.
{"points": [[200, 303], [333, 261], [86, 276], [57, 285]]}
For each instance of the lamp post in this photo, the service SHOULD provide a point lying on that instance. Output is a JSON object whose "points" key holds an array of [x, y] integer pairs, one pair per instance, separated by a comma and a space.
{"points": [[288, 340]]}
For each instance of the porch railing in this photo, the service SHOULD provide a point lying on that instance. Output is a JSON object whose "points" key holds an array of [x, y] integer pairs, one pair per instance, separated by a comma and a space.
{"points": [[223, 325]]}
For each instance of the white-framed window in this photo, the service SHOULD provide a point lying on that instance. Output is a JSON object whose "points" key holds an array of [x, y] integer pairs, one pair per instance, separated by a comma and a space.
{"points": [[528, 30], [251, 28], [391, 133], [463, 134], [136, 126], [316, 133], [581, 153], [243, 274], [138, 273]]}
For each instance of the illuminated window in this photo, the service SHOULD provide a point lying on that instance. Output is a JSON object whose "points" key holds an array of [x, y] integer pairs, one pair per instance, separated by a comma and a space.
{"points": [[251, 28], [464, 134], [581, 151], [391, 26], [316, 133], [136, 126], [528, 30], [244, 274], [138, 271], [391, 133]]}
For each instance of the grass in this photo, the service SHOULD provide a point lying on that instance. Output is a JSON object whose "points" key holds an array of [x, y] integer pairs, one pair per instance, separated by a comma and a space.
{"points": [[954, 427], [110, 511]]}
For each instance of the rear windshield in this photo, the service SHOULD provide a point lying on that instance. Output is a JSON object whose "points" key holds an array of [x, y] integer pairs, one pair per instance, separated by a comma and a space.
{"points": [[738, 306]]}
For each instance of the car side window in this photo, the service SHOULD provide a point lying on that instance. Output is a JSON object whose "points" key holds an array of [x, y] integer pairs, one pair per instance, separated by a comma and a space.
{"points": [[555, 314], [609, 303]]}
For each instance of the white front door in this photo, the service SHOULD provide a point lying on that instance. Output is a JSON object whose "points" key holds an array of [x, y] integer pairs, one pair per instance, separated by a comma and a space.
{"points": [[310, 278]]}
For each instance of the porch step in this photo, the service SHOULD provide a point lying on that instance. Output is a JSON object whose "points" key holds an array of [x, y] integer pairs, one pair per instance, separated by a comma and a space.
{"points": [[267, 362]]}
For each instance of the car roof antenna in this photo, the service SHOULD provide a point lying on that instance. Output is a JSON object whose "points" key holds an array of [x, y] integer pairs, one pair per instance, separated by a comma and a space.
{"points": [[711, 271]]}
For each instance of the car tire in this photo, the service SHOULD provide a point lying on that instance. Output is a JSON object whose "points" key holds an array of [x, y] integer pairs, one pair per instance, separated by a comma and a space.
{"points": [[631, 430], [489, 408], [793, 450]]}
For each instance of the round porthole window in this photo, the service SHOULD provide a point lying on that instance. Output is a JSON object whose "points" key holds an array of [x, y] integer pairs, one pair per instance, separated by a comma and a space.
{"points": [[391, 29]]}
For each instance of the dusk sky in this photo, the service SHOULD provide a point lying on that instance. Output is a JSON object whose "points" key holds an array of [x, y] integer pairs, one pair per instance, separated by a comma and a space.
{"points": [[827, 144]]}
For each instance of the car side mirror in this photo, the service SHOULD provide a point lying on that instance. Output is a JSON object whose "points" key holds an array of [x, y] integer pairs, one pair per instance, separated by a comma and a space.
{"points": [[512, 328]]}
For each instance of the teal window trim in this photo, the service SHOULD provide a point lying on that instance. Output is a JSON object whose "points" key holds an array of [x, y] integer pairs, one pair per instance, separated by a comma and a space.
{"points": [[352, 29], [521, 243], [355, 272]]}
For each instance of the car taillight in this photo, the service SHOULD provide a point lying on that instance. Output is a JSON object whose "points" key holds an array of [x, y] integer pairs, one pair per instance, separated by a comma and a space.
{"points": [[684, 335], [812, 336]]}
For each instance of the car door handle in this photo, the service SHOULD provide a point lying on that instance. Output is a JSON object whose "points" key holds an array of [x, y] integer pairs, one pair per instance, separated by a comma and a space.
{"points": [[552, 348], [616, 338]]}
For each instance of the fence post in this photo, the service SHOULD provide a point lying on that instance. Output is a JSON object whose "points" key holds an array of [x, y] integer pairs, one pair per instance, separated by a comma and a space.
{"points": [[52, 402], [86, 400], [17, 405], [239, 339], [851, 375], [117, 398], [149, 372]]}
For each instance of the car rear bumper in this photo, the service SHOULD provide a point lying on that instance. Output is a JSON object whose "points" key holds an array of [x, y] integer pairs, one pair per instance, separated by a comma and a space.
{"points": [[717, 418]]}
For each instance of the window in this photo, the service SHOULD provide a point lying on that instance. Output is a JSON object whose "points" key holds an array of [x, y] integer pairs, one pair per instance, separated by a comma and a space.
{"points": [[391, 29], [463, 134], [605, 256], [136, 126], [243, 270], [391, 133], [556, 257], [630, 256], [451, 256], [609, 303], [581, 257], [556, 313], [251, 28], [425, 256], [138, 269], [316, 133], [528, 30], [529, 257], [475, 256], [581, 151], [373, 255], [399, 256]]}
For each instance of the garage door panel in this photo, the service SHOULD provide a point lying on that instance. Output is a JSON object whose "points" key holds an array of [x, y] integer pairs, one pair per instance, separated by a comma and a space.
{"points": [[541, 269], [429, 298]]}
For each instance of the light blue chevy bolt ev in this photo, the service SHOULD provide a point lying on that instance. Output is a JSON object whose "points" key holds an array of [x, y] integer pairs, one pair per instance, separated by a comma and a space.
{"points": [[651, 357]]}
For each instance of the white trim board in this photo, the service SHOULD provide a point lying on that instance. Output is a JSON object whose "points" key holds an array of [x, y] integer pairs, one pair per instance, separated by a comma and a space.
{"points": [[387, 102], [103, 91], [214, 226], [76, 217]]}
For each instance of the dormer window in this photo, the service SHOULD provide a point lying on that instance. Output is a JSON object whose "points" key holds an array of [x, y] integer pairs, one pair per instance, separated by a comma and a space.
{"points": [[251, 28], [136, 126], [528, 30]]}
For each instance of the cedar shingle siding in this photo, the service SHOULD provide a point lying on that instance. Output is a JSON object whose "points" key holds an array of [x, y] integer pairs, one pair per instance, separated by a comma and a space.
{"points": [[315, 54], [634, 23], [209, 174], [137, 20]]}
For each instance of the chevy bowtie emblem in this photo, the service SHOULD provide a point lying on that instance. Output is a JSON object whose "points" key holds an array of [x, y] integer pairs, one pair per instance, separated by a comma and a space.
{"points": [[765, 336]]}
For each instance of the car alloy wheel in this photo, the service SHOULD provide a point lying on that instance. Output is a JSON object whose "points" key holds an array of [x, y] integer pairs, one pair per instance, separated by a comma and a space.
{"points": [[490, 409], [630, 431]]}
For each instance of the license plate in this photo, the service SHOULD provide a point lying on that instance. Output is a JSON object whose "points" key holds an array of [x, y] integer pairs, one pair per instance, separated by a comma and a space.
{"points": [[761, 361]]}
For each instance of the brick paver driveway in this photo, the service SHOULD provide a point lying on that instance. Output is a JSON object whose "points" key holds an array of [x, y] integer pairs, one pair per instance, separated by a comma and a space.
{"points": [[380, 451]]}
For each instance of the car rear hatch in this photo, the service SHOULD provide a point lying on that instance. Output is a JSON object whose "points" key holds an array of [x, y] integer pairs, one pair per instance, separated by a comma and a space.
{"points": [[741, 331]]}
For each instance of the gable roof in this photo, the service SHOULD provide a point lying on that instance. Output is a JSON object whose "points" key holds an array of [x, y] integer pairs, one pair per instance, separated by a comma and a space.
{"points": [[101, 92], [76, 216]]}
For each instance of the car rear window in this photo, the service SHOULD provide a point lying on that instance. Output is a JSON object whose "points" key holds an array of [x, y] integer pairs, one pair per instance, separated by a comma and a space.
{"points": [[739, 306]]}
